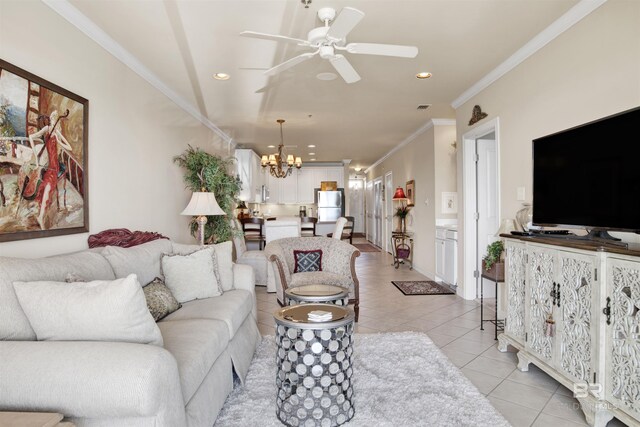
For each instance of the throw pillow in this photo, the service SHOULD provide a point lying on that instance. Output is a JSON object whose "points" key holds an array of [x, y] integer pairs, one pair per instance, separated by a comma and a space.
{"points": [[101, 310], [224, 257], [308, 261], [160, 300], [143, 260], [191, 276]]}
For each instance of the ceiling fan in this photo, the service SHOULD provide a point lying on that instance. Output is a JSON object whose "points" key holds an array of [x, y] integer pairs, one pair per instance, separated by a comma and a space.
{"points": [[329, 40]]}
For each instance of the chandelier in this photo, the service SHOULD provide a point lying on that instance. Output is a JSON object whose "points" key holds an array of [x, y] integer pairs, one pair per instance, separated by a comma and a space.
{"points": [[280, 165]]}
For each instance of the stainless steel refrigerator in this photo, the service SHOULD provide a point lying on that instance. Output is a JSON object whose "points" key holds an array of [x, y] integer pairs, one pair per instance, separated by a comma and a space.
{"points": [[330, 204]]}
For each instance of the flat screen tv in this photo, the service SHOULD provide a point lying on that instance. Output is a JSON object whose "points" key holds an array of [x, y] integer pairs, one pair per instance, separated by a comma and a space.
{"points": [[589, 176]]}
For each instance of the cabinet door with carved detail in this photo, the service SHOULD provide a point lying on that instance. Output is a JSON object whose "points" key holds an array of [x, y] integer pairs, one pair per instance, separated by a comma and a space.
{"points": [[574, 294], [539, 303], [515, 281], [622, 354]]}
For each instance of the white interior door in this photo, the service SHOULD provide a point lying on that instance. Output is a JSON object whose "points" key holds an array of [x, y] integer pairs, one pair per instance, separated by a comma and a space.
{"points": [[377, 212], [356, 204], [388, 208], [487, 199], [368, 210]]}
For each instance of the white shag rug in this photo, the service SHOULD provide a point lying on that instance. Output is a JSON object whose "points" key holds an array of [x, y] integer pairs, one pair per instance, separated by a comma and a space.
{"points": [[400, 379]]}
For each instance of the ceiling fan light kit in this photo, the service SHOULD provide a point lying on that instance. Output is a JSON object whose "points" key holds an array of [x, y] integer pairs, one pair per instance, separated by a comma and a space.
{"points": [[329, 38], [280, 164]]}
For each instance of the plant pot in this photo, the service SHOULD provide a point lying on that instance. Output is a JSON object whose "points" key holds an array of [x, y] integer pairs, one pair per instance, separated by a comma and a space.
{"points": [[496, 272]]}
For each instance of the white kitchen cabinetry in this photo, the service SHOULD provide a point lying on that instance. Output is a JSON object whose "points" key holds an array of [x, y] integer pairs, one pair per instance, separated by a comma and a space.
{"points": [[594, 348], [335, 174], [440, 235], [251, 175], [289, 188], [273, 184], [306, 185]]}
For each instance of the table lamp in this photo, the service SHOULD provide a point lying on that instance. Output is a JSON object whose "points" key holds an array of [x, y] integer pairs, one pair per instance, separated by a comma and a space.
{"points": [[202, 203]]}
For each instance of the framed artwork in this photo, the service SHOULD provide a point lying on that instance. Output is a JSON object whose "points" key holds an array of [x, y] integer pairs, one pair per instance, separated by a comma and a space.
{"points": [[43, 157], [411, 192], [449, 202]]}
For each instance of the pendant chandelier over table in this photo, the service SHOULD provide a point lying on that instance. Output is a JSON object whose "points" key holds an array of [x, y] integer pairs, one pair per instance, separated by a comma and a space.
{"points": [[280, 164]]}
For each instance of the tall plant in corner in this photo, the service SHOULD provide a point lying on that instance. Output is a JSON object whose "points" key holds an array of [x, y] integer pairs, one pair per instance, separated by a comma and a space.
{"points": [[209, 172]]}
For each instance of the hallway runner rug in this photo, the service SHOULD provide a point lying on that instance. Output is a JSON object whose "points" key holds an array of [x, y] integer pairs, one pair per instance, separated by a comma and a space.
{"points": [[400, 380], [366, 247], [422, 287]]}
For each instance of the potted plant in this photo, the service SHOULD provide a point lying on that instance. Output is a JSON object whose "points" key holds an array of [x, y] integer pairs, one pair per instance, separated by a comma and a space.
{"points": [[402, 212], [492, 263]]}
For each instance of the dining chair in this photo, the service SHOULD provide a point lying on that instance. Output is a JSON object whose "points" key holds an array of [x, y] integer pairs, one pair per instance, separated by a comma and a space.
{"points": [[308, 226], [253, 230]]}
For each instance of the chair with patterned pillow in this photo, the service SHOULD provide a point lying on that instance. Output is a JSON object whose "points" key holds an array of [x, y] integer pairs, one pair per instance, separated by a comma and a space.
{"points": [[300, 261]]}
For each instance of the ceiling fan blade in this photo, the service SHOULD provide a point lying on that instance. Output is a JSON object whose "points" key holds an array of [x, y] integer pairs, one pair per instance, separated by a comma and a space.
{"points": [[344, 68], [382, 49], [274, 37], [344, 23], [290, 63]]}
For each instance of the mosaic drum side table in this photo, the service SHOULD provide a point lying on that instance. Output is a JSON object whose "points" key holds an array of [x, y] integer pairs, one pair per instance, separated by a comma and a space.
{"points": [[314, 366], [317, 294]]}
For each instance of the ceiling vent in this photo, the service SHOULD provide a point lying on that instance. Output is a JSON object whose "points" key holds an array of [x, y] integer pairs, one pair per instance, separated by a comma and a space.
{"points": [[423, 106]]}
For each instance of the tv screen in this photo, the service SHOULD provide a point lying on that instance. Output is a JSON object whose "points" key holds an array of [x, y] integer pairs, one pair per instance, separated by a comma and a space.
{"points": [[589, 176]]}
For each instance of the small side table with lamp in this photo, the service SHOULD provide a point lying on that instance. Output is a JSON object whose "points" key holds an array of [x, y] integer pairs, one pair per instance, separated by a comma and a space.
{"points": [[201, 205], [402, 241]]}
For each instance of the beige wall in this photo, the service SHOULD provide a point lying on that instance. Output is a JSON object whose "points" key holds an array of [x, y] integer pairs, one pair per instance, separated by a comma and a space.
{"points": [[590, 71], [429, 162], [134, 130]]}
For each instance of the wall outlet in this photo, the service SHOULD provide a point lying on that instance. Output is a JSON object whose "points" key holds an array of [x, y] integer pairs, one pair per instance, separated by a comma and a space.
{"points": [[520, 194]]}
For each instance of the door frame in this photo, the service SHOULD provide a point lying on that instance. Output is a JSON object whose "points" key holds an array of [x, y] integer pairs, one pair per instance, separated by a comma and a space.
{"points": [[468, 250], [388, 210], [377, 237]]}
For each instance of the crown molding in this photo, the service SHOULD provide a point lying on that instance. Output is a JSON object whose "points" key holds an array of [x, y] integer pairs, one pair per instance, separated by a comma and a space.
{"points": [[559, 26], [97, 34], [431, 123]]}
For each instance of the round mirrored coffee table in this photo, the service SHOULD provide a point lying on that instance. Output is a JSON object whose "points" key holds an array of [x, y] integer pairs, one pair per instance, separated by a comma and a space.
{"points": [[317, 294], [314, 366]]}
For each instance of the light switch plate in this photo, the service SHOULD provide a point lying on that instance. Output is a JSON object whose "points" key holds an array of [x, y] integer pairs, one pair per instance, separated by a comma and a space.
{"points": [[520, 196]]}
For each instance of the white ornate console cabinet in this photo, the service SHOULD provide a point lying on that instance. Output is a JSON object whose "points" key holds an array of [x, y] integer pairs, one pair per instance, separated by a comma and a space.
{"points": [[573, 312]]}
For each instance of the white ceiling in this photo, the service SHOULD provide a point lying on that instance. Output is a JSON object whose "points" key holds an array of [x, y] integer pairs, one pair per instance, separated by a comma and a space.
{"points": [[185, 42]]}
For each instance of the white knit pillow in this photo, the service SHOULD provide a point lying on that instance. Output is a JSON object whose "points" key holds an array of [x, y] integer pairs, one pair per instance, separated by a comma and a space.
{"points": [[191, 276], [101, 310], [224, 260]]}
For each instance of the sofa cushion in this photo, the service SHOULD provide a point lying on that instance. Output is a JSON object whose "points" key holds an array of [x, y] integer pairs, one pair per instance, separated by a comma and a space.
{"points": [[143, 260], [232, 307], [160, 300], [88, 311], [307, 261], [196, 344], [191, 276], [224, 255], [13, 322]]}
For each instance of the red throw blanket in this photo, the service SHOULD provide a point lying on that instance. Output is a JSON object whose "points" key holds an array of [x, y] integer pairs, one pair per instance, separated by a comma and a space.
{"points": [[122, 237]]}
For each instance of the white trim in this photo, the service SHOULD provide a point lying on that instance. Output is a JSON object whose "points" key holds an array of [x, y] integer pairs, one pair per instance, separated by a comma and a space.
{"points": [[431, 123], [97, 34], [467, 251], [559, 26]]}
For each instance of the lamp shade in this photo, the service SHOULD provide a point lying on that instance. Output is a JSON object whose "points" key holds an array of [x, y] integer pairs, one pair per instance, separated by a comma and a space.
{"points": [[399, 194], [242, 205], [203, 203]]}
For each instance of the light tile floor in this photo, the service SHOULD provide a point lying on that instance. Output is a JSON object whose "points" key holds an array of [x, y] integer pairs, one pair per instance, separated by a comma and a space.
{"points": [[524, 398]]}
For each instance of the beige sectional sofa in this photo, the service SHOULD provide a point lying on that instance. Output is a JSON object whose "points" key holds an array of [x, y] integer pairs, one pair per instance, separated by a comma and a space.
{"points": [[96, 383]]}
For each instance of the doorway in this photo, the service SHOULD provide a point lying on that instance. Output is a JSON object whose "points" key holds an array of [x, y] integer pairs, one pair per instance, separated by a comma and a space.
{"points": [[356, 204], [481, 189], [377, 212], [368, 210], [388, 210]]}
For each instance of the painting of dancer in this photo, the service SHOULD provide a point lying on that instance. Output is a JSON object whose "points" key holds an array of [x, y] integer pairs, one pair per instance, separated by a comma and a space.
{"points": [[43, 157]]}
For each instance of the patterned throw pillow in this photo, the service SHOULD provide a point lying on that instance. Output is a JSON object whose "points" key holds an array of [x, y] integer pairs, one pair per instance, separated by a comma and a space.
{"points": [[308, 261], [160, 300]]}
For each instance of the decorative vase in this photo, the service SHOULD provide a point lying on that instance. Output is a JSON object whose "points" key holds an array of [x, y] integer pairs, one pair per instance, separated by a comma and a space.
{"points": [[524, 216]]}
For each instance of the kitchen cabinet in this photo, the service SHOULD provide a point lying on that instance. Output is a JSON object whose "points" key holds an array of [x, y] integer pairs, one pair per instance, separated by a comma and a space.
{"points": [[439, 253], [251, 175], [299, 187], [306, 186], [592, 295], [335, 174], [446, 255], [288, 191]]}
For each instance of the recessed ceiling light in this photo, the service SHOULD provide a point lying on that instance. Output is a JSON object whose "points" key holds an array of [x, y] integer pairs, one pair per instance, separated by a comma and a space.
{"points": [[313, 160], [271, 146], [326, 76], [311, 146], [357, 169], [221, 76], [312, 154], [423, 75]]}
